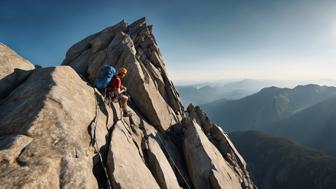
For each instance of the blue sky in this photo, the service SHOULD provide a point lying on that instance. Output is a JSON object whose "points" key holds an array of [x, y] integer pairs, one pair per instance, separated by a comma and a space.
{"points": [[200, 40]]}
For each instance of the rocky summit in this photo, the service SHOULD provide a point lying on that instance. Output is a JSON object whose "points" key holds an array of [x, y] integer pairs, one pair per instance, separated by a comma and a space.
{"points": [[58, 131]]}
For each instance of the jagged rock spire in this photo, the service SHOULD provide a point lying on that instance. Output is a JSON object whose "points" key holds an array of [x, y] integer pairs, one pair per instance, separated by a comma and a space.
{"points": [[134, 47]]}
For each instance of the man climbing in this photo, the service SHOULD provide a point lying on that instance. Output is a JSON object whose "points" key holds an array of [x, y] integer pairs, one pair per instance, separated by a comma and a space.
{"points": [[118, 90]]}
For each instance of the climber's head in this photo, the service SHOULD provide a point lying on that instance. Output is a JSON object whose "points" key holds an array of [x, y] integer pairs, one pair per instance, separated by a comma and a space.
{"points": [[122, 72]]}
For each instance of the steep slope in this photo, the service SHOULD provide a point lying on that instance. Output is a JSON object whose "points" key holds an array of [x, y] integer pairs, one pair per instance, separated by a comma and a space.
{"points": [[314, 127], [221, 141], [267, 106], [134, 47], [277, 163], [57, 131]]}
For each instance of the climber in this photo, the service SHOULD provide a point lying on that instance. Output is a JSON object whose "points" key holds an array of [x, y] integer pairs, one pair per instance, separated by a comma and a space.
{"points": [[118, 89]]}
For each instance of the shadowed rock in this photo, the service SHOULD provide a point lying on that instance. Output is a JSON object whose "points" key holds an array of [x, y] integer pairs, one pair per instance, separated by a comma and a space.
{"points": [[13, 70]]}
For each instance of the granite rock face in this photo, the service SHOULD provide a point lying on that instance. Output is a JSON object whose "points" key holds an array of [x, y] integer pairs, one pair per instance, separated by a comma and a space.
{"points": [[55, 124], [51, 110], [222, 143], [206, 166], [13, 70], [134, 47]]}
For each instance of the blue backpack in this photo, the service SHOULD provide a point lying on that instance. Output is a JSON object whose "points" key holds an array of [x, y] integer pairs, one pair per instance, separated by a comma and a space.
{"points": [[105, 76]]}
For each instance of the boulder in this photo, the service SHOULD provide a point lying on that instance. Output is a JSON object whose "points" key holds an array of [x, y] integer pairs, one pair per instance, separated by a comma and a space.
{"points": [[206, 166], [125, 162], [159, 165], [47, 120], [13, 70], [150, 155], [223, 143]]}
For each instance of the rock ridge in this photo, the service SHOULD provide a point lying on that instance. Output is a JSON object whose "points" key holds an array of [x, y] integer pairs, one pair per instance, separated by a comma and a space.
{"points": [[55, 124]]}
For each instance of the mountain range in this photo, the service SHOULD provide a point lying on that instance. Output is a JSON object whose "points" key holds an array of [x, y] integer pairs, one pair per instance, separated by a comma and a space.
{"points": [[277, 163], [314, 126], [211, 91], [203, 93], [267, 106], [304, 114]]}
